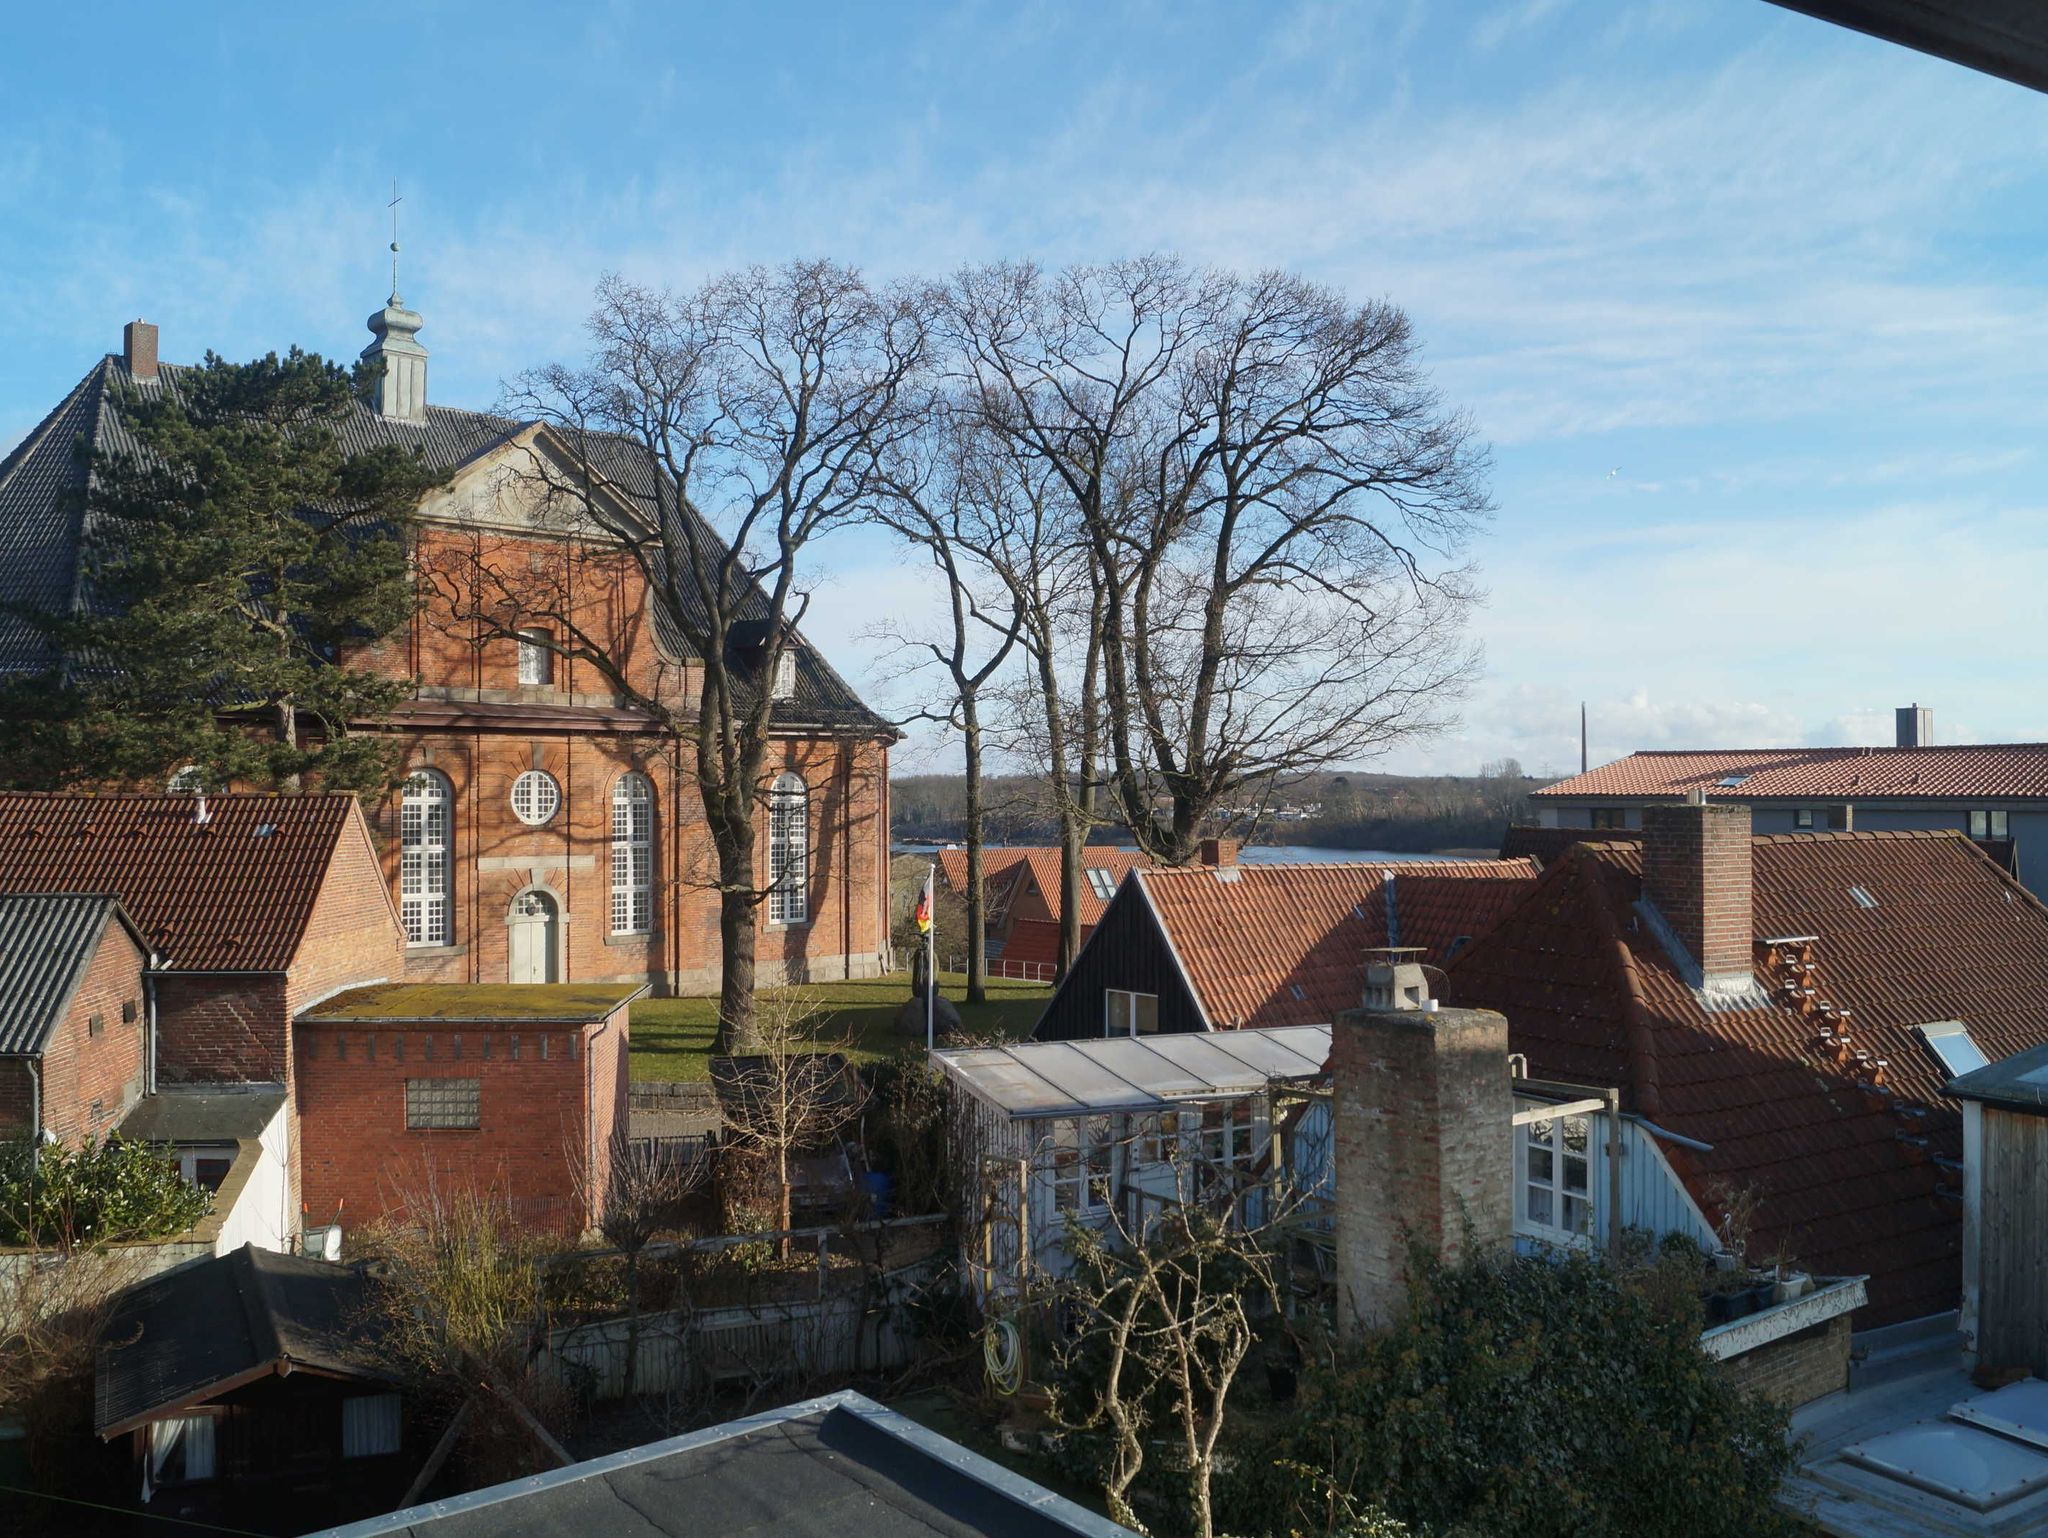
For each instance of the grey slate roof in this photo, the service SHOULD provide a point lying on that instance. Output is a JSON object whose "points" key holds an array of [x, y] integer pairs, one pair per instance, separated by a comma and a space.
{"points": [[46, 944], [42, 485], [180, 1337], [837, 1467]]}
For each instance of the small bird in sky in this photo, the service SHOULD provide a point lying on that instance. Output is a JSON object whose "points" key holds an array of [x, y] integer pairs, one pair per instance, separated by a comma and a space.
{"points": [[1611, 474]]}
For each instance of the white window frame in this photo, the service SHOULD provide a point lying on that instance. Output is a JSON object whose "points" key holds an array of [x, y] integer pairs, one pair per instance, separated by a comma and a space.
{"points": [[536, 659], [536, 797], [190, 1157], [1990, 822], [1229, 1133], [425, 824], [1101, 881], [188, 781], [632, 854], [789, 849], [1547, 1177], [1080, 1166], [1123, 1012], [198, 1431]]}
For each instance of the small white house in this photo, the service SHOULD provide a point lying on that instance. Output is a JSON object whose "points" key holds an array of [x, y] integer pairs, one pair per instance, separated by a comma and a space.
{"points": [[1096, 1131]]}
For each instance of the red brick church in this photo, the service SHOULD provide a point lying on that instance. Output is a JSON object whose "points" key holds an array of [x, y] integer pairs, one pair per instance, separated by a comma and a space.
{"points": [[544, 831]]}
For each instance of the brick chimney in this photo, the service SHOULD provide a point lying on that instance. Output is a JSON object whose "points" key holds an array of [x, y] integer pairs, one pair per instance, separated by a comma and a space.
{"points": [[1219, 851], [1425, 1152], [1696, 875], [138, 349]]}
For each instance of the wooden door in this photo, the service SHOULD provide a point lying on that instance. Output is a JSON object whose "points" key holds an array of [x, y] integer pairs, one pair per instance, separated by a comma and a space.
{"points": [[533, 927]]}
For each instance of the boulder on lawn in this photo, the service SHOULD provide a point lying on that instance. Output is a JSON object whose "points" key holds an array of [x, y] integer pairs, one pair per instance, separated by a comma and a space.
{"points": [[945, 1018]]}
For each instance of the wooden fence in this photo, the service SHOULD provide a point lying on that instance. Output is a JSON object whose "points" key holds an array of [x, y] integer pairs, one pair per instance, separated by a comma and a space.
{"points": [[863, 1328]]}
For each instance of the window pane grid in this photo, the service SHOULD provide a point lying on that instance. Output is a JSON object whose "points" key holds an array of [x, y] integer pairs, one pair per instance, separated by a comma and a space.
{"points": [[789, 817], [423, 859], [632, 854], [535, 797], [1555, 1173]]}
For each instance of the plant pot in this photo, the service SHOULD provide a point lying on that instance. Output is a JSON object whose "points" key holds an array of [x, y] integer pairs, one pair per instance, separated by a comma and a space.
{"points": [[1717, 1307], [1741, 1304], [1759, 1297], [1797, 1285]]}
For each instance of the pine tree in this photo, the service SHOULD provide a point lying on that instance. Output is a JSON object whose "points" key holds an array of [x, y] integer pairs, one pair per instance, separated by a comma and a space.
{"points": [[233, 563]]}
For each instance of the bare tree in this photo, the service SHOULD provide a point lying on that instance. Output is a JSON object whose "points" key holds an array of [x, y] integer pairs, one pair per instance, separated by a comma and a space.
{"points": [[787, 1097], [1274, 503], [644, 1196], [1164, 1314], [711, 438], [949, 497]]}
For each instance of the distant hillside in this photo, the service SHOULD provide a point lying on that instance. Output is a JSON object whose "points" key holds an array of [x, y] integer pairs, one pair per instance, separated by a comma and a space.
{"points": [[1417, 813]]}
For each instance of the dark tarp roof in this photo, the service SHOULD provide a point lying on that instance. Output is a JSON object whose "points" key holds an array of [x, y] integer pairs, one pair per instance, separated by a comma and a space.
{"points": [[837, 1467], [206, 1327], [2016, 1083], [46, 945], [182, 1115], [42, 512]]}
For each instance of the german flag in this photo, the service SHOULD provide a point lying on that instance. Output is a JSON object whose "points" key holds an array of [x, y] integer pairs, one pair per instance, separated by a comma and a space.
{"points": [[923, 912]]}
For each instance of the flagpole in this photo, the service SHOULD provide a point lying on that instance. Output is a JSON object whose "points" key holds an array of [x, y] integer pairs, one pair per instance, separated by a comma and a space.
{"points": [[931, 951]]}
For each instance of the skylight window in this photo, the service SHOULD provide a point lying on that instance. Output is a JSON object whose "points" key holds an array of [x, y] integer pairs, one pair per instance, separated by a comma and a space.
{"points": [[1729, 781], [1950, 1041], [1101, 882], [1863, 897]]}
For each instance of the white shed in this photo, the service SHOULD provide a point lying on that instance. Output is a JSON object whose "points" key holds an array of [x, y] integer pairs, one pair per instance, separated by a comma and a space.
{"points": [[1049, 1132]]}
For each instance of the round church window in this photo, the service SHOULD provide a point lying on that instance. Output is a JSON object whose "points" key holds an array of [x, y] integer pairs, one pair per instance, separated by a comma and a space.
{"points": [[535, 797]]}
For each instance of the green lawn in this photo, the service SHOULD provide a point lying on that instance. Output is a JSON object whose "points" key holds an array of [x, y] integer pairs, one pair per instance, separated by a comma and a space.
{"points": [[672, 1037]]}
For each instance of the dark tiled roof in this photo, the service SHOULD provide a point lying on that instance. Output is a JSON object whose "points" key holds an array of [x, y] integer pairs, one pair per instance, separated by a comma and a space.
{"points": [[1273, 945], [46, 944], [208, 1325], [1849, 1176], [41, 499], [2016, 1083], [232, 894], [1989, 770], [1543, 845]]}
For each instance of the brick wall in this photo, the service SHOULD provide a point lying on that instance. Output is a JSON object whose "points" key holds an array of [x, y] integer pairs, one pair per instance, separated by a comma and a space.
{"points": [[1696, 873], [1795, 1369], [353, 936], [222, 1028], [538, 1090], [95, 1064], [495, 857], [1424, 1146]]}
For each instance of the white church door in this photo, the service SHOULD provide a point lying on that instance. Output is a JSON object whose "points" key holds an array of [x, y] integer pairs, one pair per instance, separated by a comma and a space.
{"points": [[533, 926]]}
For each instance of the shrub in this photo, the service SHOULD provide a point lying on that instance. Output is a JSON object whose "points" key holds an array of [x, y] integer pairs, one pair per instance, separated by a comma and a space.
{"points": [[1529, 1396], [99, 1193]]}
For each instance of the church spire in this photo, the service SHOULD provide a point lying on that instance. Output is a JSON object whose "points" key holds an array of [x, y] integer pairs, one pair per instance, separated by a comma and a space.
{"points": [[401, 390]]}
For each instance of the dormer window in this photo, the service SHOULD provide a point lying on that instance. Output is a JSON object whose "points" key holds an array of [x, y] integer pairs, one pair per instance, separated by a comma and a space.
{"points": [[1995, 823], [784, 683], [536, 659]]}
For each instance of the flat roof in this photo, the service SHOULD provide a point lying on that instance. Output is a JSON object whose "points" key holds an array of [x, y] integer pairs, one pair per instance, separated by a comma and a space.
{"points": [[2016, 1083], [1032, 1079], [475, 1003], [210, 1115], [822, 1468]]}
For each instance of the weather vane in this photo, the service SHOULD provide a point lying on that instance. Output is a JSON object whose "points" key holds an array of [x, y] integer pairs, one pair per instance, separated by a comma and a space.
{"points": [[393, 205]]}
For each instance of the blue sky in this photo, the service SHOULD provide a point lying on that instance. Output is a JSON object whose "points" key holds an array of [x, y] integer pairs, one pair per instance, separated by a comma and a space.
{"points": [[1753, 311]]}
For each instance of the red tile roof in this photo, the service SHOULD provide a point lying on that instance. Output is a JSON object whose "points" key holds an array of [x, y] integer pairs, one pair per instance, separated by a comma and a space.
{"points": [[1847, 1174], [1037, 867], [1286, 944], [1986, 770], [232, 894]]}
